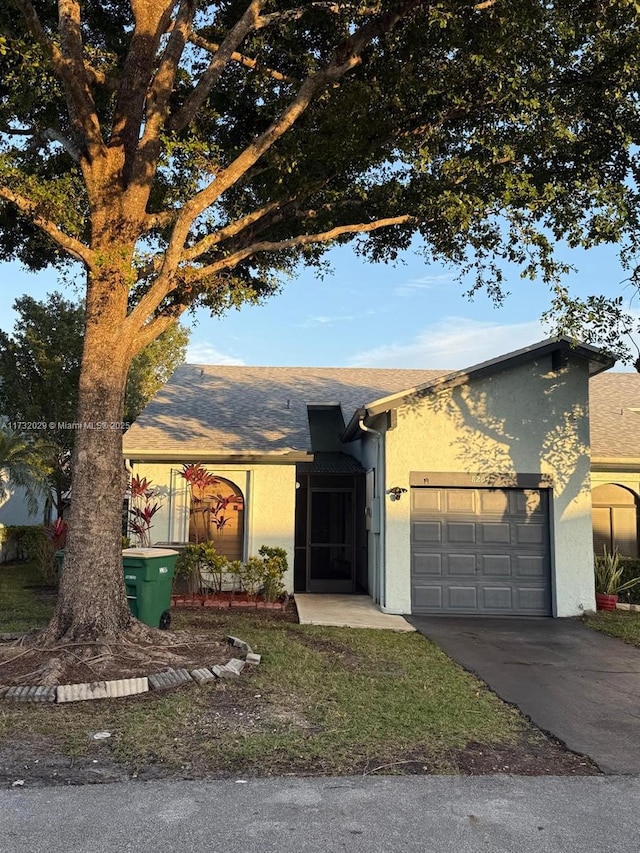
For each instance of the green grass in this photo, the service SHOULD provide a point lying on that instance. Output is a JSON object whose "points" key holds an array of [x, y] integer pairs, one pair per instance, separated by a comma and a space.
{"points": [[22, 604], [323, 700], [623, 624]]}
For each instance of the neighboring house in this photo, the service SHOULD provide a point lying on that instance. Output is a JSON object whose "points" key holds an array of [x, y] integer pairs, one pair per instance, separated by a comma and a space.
{"points": [[615, 461], [14, 511], [465, 492]]}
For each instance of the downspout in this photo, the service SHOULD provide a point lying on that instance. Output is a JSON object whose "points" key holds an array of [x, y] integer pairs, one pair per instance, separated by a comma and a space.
{"points": [[379, 491]]}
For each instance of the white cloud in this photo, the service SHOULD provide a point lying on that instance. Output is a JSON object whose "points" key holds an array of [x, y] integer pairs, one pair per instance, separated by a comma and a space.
{"points": [[203, 352], [424, 282], [455, 343], [324, 320]]}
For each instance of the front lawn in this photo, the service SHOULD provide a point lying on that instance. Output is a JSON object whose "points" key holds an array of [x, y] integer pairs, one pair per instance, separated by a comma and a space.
{"points": [[623, 624], [323, 701], [24, 602]]}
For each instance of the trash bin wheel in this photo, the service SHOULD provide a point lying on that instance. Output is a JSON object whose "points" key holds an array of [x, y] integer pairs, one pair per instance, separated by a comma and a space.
{"points": [[165, 620]]}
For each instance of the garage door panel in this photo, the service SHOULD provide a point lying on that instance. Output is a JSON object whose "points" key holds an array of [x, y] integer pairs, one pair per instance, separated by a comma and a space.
{"points": [[530, 566], [461, 597], [495, 501], [461, 564], [498, 598], [480, 551], [533, 599], [496, 565], [428, 599], [427, 564], [427, 531], [460, 500], [463, 531], [496, 532], [530, 534], [426, 499]]}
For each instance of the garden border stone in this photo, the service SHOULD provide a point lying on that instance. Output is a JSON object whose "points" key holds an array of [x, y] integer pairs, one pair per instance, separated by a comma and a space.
{"points": [[118, 688]]}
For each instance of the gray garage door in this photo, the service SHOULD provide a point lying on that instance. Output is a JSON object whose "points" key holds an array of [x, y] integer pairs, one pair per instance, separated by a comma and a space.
{"points": [[480, 551]]}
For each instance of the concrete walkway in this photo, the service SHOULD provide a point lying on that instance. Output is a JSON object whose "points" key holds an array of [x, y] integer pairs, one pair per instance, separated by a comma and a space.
{"points": [[579, 685], [346, 611]]}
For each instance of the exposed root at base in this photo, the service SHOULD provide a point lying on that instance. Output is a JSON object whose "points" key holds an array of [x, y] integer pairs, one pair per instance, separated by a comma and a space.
{"points": [[138, 651]]}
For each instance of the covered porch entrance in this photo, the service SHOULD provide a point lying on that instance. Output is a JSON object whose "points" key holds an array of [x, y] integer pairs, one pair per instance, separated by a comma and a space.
{"points": [[330, 541]]}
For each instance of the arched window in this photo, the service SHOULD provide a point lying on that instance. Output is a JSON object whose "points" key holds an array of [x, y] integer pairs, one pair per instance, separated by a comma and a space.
{"points": [[217, 515], [615, 519]]}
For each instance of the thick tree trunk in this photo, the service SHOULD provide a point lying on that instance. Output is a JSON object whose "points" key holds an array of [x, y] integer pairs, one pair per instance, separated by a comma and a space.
{"points": [[92, 603]]}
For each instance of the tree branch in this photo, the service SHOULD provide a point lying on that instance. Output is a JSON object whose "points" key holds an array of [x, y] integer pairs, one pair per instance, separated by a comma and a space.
{"points": [[212, 48], [334, 8], [155, 327], [231, 230], [151, 22], [29, 209], [222, 56], [346, 57], [79, 97], [233, 260]]}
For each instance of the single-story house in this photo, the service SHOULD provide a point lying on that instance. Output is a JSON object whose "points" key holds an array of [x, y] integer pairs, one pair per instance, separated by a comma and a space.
{"points": [[615, 461], [434, 492]]}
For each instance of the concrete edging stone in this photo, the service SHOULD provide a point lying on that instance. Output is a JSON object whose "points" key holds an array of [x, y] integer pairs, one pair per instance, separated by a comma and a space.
{"points": [[118, 688]]}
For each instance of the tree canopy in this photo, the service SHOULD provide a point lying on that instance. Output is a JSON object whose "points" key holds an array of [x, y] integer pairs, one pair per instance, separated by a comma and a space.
{"points": [[209, 147], [193, 153]]}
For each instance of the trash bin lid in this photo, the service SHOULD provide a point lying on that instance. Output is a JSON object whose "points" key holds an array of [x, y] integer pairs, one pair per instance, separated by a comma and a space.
{"points": [[149, 552]]}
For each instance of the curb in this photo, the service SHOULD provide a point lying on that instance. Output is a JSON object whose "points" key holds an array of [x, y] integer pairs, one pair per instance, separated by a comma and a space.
{"points": [[119, 688]]}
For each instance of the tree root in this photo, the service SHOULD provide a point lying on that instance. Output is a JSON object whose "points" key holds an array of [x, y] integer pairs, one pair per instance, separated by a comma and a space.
{"points": [[138, 651]]}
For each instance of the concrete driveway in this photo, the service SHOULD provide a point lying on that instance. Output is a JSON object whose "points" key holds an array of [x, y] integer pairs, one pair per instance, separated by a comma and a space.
{"points": [[581, 686]]}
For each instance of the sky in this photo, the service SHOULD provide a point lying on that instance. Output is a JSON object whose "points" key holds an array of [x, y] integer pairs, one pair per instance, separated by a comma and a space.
{"points": [[410, 315]]}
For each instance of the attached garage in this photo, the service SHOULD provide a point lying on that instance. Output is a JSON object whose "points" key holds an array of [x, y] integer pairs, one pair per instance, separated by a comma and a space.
{"points": [[480, 550]]}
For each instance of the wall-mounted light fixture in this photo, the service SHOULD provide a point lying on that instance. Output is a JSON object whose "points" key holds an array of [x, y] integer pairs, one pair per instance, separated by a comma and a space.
{"points": [[396, 492]]}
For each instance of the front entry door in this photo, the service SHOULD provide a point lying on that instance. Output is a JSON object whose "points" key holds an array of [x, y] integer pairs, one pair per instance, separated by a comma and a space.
{"points": [[330, 548]]}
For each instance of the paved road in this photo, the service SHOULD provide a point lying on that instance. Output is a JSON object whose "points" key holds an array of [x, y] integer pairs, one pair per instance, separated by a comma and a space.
{"points": [[364, 815], [576, 683]]}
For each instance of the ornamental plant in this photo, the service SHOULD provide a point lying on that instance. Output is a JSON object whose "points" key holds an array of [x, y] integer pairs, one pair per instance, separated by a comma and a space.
{"points": [[144, 507], [609, 573]]}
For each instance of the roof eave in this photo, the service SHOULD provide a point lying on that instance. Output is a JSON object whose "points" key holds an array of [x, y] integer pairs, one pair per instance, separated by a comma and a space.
{"points": [[597, 360], [615, 463], [290, 457]]}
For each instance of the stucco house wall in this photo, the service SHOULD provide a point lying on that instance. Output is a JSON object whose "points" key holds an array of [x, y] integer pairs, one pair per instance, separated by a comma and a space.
{"points": [[268, 490], [527, 419]]}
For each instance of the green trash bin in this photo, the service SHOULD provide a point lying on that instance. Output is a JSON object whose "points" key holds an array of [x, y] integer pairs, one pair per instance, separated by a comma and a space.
{"points": [[148, 579]]}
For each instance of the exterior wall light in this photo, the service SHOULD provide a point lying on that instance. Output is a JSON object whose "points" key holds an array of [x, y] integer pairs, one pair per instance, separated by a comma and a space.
{"points": [[396, 492]]}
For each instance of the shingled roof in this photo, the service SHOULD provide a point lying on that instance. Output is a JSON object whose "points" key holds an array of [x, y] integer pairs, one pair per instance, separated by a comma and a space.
{"points": [[614, 403], [215, 410]]}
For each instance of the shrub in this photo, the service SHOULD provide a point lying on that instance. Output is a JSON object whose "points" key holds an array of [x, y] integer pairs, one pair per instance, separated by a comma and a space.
{"points": [[630, 569], [274, 570], [201, 566], [40, 550]]}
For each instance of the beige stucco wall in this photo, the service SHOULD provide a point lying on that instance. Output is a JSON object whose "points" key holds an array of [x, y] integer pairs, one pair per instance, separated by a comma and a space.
{"points": [[269, 493], [529, 419]]}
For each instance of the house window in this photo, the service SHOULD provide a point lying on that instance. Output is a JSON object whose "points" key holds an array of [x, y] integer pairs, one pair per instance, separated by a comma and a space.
{"points": [[615, 519], [217, 515]]}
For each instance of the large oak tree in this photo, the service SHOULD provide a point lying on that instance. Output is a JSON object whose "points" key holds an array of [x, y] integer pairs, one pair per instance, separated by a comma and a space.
{"points": [[187, 152]]}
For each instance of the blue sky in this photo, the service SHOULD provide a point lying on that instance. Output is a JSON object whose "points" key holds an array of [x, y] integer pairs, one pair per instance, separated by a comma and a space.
{"points": [[408, 315]]}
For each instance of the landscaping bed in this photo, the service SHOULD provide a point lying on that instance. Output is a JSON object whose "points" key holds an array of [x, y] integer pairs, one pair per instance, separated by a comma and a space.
{"points": [[323, 701]]}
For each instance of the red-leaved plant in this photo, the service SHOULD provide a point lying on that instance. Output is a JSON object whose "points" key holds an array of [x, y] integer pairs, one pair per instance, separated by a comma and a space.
{"points": [[212, 507], [142, 509], [56, 533]]}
